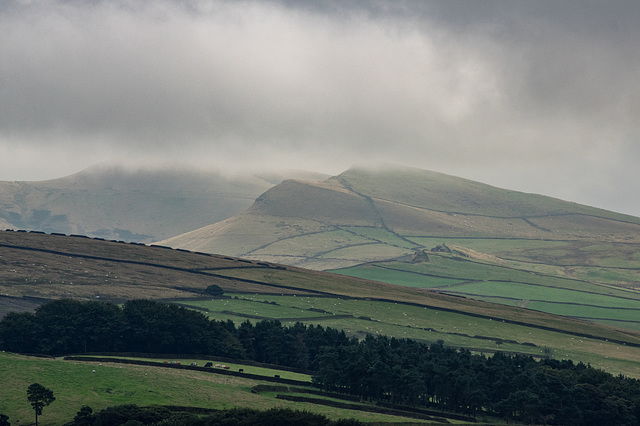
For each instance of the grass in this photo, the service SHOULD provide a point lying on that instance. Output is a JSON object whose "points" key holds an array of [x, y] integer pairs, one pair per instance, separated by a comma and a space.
{"points": [[398, 277], [247, 369], [522, 291], [381, 235], [558, 290], [460, 270], [362, 317], [592, 312], [367, 252], [75, 384]]}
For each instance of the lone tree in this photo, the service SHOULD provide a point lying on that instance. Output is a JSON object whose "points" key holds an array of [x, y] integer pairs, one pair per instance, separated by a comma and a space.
{"points": [[39, 397], [4, 420], [214, 290]]}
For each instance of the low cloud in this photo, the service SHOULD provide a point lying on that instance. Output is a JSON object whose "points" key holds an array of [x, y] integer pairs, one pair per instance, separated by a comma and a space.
{"points": [[539, 95]]}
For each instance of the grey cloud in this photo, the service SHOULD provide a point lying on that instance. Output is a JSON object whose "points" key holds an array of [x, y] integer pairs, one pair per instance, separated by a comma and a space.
{"points": [[488, 90]]}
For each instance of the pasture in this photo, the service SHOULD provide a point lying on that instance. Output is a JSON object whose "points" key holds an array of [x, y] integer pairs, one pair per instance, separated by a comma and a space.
{"points": [[75, 384], [601, 293], [360, 317]]}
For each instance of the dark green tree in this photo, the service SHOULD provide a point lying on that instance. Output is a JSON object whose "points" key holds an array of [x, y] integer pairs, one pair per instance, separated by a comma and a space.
{"points": [[84, 417], [39, 397], [214, 290], [162, 328], [61, 322], [4, 420], [20, 332]]}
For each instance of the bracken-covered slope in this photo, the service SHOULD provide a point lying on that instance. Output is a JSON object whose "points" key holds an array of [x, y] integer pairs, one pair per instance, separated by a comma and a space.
{"points": [[131, 205], [429, 230]]}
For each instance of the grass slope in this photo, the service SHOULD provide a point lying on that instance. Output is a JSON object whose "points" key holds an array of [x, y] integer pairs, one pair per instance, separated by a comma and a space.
{"points": [[75, 384]]}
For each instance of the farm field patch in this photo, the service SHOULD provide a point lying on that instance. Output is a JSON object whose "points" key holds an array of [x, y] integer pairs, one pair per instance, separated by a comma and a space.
{"points": [[217, 364], [312, 244], [75, 384], [379, 272], [382, 235], [591, 312], [489, 245], [540, 293], [558, 290]]}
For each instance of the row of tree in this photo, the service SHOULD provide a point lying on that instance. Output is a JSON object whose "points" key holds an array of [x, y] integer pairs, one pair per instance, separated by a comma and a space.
{"points": [[69, 327], [133, 415], [162, 416], [517, 387], [382, 369]]}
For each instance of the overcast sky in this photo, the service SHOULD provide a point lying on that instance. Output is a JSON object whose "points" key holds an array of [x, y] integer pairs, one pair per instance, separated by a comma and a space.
{"points": [[538, 96]]}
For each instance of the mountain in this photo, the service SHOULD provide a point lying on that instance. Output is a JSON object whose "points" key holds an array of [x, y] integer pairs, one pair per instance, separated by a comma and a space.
{"points": [[131, 205], [451, 235], [363, 215]]}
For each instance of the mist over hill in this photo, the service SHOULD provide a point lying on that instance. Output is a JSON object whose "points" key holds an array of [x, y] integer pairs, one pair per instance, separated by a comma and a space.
{"points": [[132, 205]]}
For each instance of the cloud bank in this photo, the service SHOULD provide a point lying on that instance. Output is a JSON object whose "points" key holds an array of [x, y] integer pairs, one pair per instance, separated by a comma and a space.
{"points": [[537, 96]]}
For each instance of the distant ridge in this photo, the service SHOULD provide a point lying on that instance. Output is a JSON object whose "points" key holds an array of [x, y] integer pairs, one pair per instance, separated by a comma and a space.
{"points": [[132, 205]]}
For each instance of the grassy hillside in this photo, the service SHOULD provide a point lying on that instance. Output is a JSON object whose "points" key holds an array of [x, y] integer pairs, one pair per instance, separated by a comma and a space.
{"points": [[75, 384], [142, 206], [37, 267], [433, 231]]}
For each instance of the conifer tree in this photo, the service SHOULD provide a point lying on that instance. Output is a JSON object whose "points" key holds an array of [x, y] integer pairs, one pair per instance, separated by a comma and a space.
{"points": [[39, 397]]}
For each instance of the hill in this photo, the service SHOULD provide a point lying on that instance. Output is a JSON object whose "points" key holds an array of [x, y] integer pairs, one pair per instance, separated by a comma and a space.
{"points": [[39, 267], [317, 221], [429, 230], [131, 205], [105, 384]]}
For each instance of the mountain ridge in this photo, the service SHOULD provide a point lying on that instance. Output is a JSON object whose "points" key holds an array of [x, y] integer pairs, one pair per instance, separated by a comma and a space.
{"points": [[405, 202]]}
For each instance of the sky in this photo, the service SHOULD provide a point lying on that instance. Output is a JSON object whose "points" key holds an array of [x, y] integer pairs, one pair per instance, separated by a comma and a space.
{"points": [[537, 96]]}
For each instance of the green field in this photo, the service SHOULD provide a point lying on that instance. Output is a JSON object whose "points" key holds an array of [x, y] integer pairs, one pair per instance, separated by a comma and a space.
{"points": [[360, 317], [76, 383], [581, 291], [233, 366]]}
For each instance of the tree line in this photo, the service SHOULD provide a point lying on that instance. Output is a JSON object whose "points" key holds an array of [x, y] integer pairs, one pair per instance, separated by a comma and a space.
{"points": [[518, 387], [68, 326], [380, 369], [131, 414]]}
